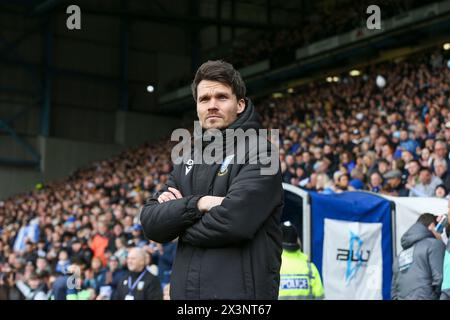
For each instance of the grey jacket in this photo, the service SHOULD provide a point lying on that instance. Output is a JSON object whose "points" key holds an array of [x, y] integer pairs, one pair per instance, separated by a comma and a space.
{"points": [[418, 268]]}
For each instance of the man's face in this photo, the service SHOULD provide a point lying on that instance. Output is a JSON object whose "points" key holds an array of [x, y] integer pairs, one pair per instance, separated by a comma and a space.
{"points": [[76, 246], [34, 283], [102, 228], [217, 106], [447, 134], [394, 182], [113, 264], [440, 150], [41, 264], [375, 180], [407, 156], [413, 168], [425, 177], [440, 169], [135, 261], [403, 135]]}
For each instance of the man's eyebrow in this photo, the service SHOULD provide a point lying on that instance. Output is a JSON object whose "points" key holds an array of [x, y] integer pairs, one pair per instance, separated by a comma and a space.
{"points": [[206, 95], [217, 93], [221, 93]]}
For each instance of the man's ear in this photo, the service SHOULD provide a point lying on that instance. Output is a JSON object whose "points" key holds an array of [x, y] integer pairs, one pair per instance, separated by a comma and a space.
{"points": [[241, 106]]}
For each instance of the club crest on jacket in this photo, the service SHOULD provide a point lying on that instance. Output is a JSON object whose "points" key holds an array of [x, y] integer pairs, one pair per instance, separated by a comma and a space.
{"points": [[224, 167]]}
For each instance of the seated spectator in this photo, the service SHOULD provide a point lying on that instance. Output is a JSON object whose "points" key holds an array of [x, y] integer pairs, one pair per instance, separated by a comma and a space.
{"points": [[376, 182], [95, 276], [100, 242], [33, 289], [427, 184], [114, 274], [441, 192], [63, 262], [343, 184], [441, 171], [138, 283], [394, 185]]}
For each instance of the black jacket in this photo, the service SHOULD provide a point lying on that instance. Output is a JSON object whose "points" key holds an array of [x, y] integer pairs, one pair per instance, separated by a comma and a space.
{"points": [[150, 289], [234, 250]]}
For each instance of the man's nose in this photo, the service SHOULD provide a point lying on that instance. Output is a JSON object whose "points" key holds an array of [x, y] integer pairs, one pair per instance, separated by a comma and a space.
{"points": [[212, 105]]}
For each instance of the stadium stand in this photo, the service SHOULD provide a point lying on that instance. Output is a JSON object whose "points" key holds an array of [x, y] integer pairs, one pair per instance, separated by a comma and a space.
{"points": [[346, 135]]}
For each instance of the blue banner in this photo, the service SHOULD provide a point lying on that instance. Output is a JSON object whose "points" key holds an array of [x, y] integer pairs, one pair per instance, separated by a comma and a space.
{"points": [[352, 244]]}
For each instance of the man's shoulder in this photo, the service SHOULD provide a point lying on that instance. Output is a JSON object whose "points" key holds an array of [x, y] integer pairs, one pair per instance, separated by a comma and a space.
{"points": [[432, 243]]}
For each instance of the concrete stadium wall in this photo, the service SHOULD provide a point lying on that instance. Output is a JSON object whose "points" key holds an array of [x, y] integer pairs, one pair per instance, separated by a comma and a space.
{"points": [[17, 180], [133, 129], [61, 156]]}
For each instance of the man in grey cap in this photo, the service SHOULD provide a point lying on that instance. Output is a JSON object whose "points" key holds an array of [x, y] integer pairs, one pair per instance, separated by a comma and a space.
{"points": [[394, 185]]}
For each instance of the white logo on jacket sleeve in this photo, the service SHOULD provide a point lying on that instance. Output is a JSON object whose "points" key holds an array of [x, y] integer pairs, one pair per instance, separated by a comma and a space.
{"points": [[189, 165]]}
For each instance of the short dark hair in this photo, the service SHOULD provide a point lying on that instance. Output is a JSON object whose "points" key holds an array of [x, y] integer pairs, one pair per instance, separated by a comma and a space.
{"points": [[426, 219], [426, 169], [222, 72]]}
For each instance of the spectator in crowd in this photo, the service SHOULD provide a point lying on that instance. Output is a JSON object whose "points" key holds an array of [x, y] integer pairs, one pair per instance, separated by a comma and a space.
{"points": [[166, 257], [8, 288], [95, 275], [138, 239], [441, 171], [427, 184], [394, 185], [100, 242], [80, 251], [63, 262], [42, 266], [418, 269], [138, 283], [343, 184], [121, 252], [113, 275], [441, 192], [376, 182], [34, 288]]}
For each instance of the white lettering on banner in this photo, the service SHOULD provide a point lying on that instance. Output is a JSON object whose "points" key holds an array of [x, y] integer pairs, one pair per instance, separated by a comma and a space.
{"points": [[352, 260]]}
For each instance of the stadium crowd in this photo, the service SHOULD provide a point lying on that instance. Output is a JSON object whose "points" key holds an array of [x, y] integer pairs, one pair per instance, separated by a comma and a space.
{"points": [[355, 134], [279, 46], [328, 19]]}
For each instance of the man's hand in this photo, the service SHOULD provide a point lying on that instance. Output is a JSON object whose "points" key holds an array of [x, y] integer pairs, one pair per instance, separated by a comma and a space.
{"points": [[172, 194], [206, 203]]}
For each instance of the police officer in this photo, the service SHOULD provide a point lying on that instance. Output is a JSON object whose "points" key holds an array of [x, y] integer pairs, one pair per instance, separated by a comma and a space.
{"points": [[139, 283], [299, 278]]}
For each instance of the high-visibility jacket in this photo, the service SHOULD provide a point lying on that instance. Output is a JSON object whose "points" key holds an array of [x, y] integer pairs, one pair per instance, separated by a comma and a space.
{"points": [[299, 278]]}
